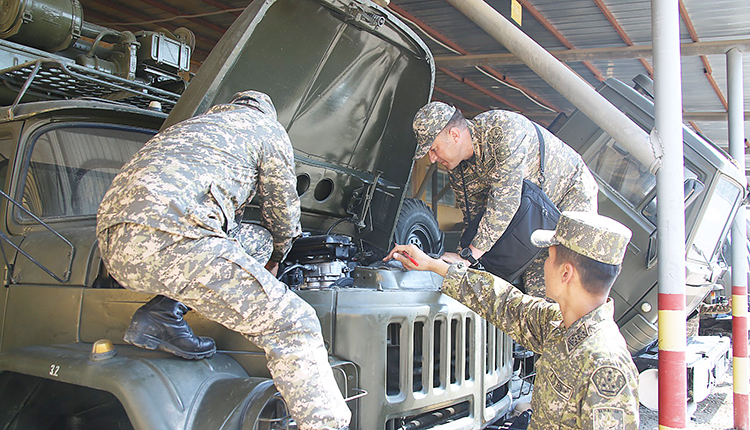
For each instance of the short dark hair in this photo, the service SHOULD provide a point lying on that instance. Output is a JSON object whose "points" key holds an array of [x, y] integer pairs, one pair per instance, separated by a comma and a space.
{"points": [[457, 120], [596, 277]]}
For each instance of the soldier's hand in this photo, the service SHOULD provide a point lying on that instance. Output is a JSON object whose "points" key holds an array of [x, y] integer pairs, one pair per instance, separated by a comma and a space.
{"points": [[410, 256], [273, 267], [414, 258]]}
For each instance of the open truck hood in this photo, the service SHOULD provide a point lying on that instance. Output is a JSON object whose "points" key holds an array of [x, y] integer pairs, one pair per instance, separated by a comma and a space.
{"points": [[346, 78]]}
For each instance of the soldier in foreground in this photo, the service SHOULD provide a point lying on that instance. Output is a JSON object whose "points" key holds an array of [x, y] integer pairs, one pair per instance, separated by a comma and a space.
{"points": [[168, 226], [488, 158], [586, 378]]}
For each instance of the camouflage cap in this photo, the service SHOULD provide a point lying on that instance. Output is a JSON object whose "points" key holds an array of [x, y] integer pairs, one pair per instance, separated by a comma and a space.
{"points": [[256, 99], [597, 237], [428, 123]]}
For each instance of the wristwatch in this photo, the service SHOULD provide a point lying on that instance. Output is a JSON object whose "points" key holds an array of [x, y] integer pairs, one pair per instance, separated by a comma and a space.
{"points": [[467, 255]]}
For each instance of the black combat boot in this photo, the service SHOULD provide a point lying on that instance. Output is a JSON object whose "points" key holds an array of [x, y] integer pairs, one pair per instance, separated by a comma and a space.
{"points": [[159, 324]]}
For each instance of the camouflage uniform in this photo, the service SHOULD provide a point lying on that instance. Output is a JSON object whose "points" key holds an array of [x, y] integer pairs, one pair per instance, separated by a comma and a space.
{"points": [[692, 327], [586, 378], [506, 151], [167, 226], [716, 308]]}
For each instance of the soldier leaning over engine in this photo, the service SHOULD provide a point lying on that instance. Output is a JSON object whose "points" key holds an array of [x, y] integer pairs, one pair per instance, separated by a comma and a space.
{"points": [[488, 158], [168, 226]]}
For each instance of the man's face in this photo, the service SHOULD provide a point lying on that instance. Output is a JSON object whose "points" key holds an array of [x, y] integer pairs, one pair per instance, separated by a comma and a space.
{"points": [[446, 149]]}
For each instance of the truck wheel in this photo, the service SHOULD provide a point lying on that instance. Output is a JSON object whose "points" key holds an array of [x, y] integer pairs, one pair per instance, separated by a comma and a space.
{"points": [[417, 226]]}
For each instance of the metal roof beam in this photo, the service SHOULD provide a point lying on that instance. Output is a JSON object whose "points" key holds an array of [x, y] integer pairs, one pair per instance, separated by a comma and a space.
{"points": [[707, 71], [481, 89], [459, 98], [442, 39], [621, 32], [200, 21], [595, 54], [559, 36], [709, 116]]}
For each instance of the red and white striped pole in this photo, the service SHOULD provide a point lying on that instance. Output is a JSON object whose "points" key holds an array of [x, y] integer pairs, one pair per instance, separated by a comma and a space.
{"points": [[739, 356], [672, 375], [665, 27], [739, 251]]}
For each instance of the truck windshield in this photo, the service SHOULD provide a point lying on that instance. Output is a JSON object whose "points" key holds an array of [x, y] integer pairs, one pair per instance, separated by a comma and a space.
{"points": [[71, 168], [719, 208], [615, 166], [626, 175]]}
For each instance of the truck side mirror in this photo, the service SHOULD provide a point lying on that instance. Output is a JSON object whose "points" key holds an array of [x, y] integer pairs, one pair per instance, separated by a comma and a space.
{"points": [[692, 188]]}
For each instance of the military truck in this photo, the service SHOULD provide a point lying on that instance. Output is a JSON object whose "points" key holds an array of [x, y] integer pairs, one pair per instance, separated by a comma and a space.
{"points": [[714, 189], [404, 356]]}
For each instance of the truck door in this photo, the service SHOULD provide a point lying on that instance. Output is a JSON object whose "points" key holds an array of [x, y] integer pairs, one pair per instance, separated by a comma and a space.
{"points": [[66, 169]]}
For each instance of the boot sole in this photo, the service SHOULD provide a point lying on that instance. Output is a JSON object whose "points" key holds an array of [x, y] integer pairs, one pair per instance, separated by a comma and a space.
{"points": [[146, 341]]}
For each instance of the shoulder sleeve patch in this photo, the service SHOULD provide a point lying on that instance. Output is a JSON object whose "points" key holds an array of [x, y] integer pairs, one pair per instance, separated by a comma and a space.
{"points": [[494, 134], [609, 419], [608, 381]]}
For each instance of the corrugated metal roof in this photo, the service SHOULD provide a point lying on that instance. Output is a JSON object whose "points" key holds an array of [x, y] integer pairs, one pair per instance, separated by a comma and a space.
{"points": [[579, 24]]}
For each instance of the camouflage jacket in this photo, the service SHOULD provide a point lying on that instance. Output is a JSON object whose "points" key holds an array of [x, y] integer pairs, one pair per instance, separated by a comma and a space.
{"points": [[195, 177], [585, 379], [506, 151]]}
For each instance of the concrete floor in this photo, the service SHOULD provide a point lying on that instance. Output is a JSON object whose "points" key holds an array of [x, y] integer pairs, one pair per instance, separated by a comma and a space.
{"points": [[713, 413]]}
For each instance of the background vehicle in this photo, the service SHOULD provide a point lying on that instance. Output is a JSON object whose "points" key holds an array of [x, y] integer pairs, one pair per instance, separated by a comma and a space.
{"points": [[405, 355], [714, 189]]}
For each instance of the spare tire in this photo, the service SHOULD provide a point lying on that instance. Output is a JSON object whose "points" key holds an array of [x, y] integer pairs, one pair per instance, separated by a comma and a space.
{"points": [[418, 226]]}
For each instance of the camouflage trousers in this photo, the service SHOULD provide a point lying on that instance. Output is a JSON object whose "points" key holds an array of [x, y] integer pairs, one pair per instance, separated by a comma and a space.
{"points": [[224, 279]]}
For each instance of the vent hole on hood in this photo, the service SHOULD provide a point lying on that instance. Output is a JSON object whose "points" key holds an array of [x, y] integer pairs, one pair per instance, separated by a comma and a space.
{"points": [[303, 184], [323, 190]]}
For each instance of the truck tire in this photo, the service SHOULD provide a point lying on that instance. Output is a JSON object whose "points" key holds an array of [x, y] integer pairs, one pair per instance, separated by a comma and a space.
{"points": [[417, 225]]}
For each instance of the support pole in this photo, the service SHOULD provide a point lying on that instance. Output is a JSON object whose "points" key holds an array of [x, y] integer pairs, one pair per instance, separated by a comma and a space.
{"points": [[670, 222], [739, 251], [565, 81]]}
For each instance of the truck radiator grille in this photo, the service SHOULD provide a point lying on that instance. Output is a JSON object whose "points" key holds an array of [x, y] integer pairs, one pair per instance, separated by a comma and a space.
{"points": [[425, 355]]}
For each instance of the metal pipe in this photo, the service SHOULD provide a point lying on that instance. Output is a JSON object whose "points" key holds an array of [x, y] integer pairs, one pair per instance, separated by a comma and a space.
{"points": [[594, 54], [670, 223], [739, 250], [94, 30], [565, 81]]}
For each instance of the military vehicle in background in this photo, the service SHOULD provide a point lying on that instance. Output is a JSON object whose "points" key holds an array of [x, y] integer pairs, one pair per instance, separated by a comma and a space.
{"points": [[714, 189], [346, 78]]}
